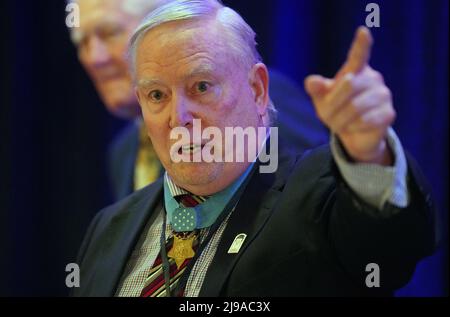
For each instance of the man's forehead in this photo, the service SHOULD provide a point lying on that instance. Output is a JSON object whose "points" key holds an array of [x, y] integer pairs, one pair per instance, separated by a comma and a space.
{"points": [[98, 14], [94, 13], [96, 9]]}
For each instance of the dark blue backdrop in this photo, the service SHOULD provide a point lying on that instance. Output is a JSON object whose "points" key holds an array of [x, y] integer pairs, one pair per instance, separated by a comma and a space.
{"points": [[54, 131]]}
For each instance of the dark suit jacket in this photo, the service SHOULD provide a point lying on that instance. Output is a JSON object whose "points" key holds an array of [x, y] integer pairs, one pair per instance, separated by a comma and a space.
{"points": [[297, 122], [308, 235]]}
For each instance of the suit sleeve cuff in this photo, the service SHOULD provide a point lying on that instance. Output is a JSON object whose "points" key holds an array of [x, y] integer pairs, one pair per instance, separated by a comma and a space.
{"points": [[375, 184]]}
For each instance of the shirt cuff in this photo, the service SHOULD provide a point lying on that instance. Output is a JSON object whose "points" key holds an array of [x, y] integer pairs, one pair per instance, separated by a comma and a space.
{"points": [[373, 183]]}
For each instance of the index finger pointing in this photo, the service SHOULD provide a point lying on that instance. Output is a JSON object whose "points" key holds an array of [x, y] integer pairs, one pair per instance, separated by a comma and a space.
{"points": [[359, 55]]}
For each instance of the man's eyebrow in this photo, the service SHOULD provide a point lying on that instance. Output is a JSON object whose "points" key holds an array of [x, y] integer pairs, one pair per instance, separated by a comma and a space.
{"points": [[147, 82], [201, 70]]}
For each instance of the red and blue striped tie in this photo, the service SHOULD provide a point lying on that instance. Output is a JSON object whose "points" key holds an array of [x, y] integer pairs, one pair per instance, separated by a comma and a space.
{"points": [[155, 283]]}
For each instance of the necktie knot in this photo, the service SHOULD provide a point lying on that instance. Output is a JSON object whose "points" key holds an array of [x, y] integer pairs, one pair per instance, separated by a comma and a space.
{"points": [[190, 200]]}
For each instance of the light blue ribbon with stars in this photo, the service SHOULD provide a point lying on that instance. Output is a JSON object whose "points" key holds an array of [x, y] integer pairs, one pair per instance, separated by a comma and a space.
{"points": [[203, 215]]}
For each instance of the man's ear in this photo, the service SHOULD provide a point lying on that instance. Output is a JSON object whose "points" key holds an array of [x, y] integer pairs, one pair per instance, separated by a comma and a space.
{"points": [[259, 83]]}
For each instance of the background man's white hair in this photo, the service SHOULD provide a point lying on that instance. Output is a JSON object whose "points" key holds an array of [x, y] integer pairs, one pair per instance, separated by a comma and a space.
{"points": [[137, 8], [141, 7], [133, 7], [241, 37]]}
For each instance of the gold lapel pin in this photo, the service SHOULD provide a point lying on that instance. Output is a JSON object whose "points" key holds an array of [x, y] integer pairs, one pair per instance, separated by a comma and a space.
{"points": [[237, 243]]}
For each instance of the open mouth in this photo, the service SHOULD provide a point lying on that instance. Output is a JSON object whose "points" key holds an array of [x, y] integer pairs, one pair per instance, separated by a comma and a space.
{"points": [[190, 148]]}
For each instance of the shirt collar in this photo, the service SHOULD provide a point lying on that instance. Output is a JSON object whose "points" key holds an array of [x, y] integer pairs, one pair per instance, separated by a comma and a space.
{"points": [[207, 212], [174, 189], [213, 205]]}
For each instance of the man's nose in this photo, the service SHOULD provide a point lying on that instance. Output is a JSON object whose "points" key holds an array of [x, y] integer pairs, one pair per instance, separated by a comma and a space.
{"points": [[98, 53], [181, 112]]}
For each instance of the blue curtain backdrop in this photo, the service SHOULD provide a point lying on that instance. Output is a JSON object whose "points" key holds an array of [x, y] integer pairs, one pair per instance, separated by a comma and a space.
{"points": [[55, 132]]}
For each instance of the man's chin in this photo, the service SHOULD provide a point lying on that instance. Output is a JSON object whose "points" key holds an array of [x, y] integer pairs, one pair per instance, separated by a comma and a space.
{"points": [[194, 174]]}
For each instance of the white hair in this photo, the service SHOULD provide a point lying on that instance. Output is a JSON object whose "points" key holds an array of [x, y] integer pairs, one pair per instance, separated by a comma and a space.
{"points": [[136, 8], [241, 35], [141, 7]]}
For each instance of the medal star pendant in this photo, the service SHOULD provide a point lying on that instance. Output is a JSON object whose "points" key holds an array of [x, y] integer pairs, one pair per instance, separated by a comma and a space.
{"points": [[182, 249]]}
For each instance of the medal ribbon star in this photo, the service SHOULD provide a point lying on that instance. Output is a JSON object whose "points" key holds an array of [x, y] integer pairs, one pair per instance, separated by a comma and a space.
{"points": [[182, 249]]}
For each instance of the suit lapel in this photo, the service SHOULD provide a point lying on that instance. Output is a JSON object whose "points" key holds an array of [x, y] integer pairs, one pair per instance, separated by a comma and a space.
{"points": [[249, 217], [122, 236]]}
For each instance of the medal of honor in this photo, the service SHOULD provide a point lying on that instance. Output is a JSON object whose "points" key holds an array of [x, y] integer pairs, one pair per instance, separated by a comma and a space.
{"points": [[182, 248]]}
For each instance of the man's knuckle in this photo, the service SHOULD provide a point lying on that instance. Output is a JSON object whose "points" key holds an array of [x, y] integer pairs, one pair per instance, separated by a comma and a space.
{"points": [[365, 120], [348, 85], [377, 76], [391, 115], [350, 108], [384, 92]]}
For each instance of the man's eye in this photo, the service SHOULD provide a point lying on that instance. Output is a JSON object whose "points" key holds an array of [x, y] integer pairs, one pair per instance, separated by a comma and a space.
{"points": [[202, 87], [156, 95], [110, 32]]}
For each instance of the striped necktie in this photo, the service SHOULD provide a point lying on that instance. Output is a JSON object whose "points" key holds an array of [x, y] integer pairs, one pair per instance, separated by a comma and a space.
{"points": [[155, 283]]}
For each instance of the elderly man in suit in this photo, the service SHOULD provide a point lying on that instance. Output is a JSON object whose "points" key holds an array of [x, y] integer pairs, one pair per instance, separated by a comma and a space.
{"points": [[224, 228], [101, 41]]}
